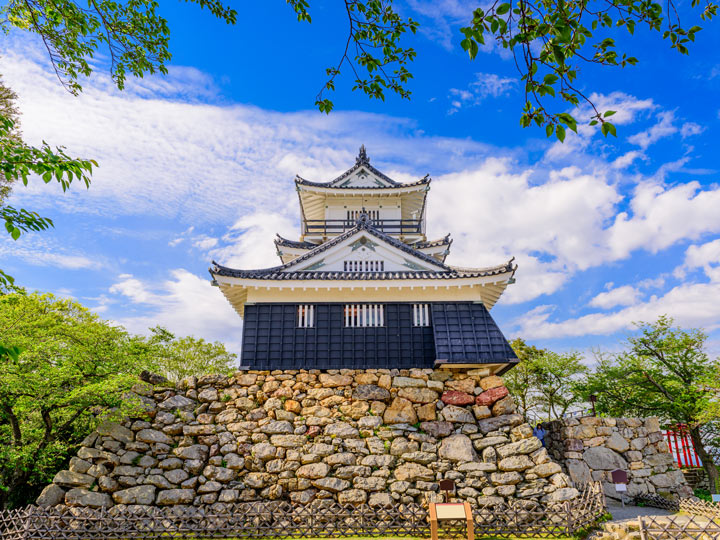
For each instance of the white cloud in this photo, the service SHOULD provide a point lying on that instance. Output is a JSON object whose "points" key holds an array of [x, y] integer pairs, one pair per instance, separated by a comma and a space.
{"points": [[553, 229], [249, 243], [205, 165], [184, 303], [627, 110], [627, 159], [689, 129], [202, 164], [692, 305], [204, 242], [485, 85], [179, 239], [705, 256], [35, 250], [444, 18], [660, 216], [664, 128], [626, 295]]}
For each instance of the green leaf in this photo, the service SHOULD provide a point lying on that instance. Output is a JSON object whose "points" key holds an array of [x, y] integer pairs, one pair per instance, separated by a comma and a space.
{"points": [[608, 113], [560, 133], [502, 9]]}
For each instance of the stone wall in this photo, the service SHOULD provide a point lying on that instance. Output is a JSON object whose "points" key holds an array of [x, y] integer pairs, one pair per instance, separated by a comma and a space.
{"points": [[590, 448], [355, 436]]}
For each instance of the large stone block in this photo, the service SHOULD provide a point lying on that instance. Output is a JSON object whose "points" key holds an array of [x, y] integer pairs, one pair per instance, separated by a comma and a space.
{"points": [[618, 443], [135, 495], [51, 496], [411, 472], [604, 459], [455, 397], [313, 471], [493, 424], [91, 499], [400, 411], [489, 397], [461, 415], [71, 479], [116, 431], [169, 497], [457, 448], [371, 392], [418, 395]]}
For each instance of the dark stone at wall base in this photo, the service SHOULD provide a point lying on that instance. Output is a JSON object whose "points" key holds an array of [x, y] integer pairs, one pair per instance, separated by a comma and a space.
{"points": [[153, 378], [437, 429], [371, 392]]}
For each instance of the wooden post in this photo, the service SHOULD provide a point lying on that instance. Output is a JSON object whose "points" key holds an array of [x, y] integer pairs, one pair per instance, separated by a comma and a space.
{"points": [[433, 522], [642, 529], [470, 523]]}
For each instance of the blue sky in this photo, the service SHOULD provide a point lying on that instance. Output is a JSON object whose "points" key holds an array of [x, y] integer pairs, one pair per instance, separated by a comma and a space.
{"points": [[199, 165]]}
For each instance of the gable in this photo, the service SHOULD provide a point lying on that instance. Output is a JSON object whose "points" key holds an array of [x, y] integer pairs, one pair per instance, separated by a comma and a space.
{"points": [[362, 177], [365, 252]]}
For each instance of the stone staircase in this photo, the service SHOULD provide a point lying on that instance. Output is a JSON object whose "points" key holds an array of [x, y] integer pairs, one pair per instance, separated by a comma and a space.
{"points": [[628, 529]]}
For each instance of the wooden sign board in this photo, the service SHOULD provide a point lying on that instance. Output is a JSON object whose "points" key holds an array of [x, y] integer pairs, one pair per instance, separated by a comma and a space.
{"points": [[439, 511], [619, 476], [450, 511], [620, 487]]}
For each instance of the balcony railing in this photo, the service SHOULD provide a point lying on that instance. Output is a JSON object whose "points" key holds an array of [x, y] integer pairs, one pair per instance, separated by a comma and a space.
{"points": [[337, 226]]}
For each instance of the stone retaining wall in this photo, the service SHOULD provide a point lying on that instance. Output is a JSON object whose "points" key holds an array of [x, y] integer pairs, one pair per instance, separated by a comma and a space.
{"points": [[589, 448], [354, 436]]}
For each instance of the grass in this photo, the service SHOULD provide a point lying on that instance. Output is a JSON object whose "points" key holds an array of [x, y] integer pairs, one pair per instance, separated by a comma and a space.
{"points": [[542, 537]]}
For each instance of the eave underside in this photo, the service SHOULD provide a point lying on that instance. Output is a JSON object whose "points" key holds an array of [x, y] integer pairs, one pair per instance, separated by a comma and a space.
{"points": [[239, 291]]}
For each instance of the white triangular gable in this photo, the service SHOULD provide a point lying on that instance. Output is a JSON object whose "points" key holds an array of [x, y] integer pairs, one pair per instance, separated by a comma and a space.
{"points": [[363, 177], [364, 252]]}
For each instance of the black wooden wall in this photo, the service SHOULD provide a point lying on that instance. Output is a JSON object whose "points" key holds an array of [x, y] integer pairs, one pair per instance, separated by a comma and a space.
{"points": [[464, 333]]}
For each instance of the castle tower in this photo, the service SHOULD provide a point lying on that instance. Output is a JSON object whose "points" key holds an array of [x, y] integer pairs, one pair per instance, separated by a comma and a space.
{"points": [[363, 288]]}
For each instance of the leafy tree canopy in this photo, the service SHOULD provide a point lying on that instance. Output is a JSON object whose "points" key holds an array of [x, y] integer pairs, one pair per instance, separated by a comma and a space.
{"points": [[544, 383], [176, 358], [65, 370]]}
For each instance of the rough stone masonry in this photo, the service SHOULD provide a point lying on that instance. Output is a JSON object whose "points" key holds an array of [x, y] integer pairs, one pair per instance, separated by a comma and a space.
{"points": [[372, 436], [591, 448]]}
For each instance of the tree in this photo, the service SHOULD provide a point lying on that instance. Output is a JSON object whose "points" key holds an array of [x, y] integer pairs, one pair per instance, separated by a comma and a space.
{"points": [[136, 39], [65, 371], [544, 383], [663, 373], [549, 39], [521, 380], [176, 358], [9, 110]]}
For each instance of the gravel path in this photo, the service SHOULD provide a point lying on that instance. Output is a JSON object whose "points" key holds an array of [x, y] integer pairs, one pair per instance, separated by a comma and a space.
{"points": [[631, 512]]}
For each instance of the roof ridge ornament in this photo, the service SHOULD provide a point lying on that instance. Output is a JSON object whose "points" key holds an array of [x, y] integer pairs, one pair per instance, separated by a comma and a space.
{"points": [[362, 158], [363, 220]]}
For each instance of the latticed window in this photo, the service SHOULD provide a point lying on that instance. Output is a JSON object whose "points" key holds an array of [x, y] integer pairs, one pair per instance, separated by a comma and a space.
{"points": [[421, 314], [364, 315], [364, 266], [306, 316]]}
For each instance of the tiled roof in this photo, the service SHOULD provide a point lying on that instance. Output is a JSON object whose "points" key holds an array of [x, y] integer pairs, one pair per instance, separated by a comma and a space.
{"points": [[363, 224], [446, 241], [276, 274], [362, 161], [284, 242]]}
